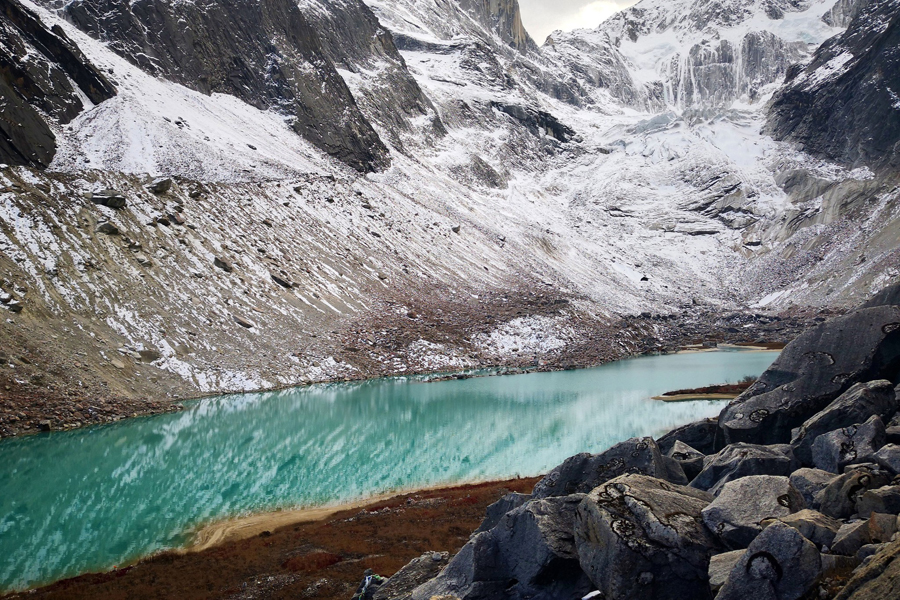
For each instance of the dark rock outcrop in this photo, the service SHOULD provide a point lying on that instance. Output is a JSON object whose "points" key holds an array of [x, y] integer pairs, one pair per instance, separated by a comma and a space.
{"points": [[37, 68], [537, 122], [812, 371], [387, 93], [263, 51], [640, 537], [843, 105]]}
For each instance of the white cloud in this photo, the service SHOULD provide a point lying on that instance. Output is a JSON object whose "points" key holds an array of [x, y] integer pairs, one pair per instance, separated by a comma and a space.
{"points": [[541, 17]]}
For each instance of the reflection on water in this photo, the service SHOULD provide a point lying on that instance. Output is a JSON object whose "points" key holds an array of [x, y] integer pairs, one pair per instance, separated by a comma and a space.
{"points": [[86, 500]]}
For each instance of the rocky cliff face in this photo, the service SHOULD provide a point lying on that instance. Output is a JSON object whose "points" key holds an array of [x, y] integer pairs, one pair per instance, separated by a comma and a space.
{"points": [[263, 52], [388, 95], [503, 18], [709, 54], [845, 105], [43, 75]]}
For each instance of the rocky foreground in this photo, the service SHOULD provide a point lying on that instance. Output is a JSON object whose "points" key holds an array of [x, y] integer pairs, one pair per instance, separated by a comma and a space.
{"points": [[793, 492]]}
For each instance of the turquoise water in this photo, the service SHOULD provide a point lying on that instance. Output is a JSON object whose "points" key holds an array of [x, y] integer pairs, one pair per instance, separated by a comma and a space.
{"points": [[85, 500]]}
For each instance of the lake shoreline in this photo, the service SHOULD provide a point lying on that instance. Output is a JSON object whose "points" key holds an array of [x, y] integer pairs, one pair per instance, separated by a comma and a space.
{"points": [[115, 409], [334, 544]]}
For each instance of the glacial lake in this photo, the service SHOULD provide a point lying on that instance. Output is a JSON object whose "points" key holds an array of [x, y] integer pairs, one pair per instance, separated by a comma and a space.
{"points": [[86, 500]]}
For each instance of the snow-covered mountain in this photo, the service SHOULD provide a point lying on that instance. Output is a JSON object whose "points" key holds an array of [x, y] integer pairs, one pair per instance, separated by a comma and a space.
{"points": [[357, 163]]}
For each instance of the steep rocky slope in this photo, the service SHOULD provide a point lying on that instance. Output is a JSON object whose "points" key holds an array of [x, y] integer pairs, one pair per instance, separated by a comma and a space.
{"points": [[844, 105], [264, 52], [41, 73]]}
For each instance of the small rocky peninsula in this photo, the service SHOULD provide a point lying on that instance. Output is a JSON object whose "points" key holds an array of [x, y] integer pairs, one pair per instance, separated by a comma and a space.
{"points": [[792, 493]]}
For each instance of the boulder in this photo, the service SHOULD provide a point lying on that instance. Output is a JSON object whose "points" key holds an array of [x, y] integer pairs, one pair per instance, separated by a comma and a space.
{"points": [[690, 459], [281, 281], [161, 185], [107, 228], [868, 550], [878, 579], [882, 527], [583, 472], [780, 564], [641, 537], [720, 566], [813, 370], [889, 458], [495, 511], [419, 570], [530, 553], [856, 405], [740, 460], [110, 198], [813, 525], [851, 537], [884, 500], [243, 322], [700, 435], [810, 482], [849, 445], [736, 522], [223, 264], [838, 498]]}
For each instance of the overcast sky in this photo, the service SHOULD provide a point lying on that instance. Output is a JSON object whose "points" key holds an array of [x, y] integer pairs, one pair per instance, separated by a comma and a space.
{"points": [[543, 16]]}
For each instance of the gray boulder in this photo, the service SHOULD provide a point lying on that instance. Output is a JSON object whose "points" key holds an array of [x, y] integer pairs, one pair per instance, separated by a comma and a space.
{"points": [[740, 460], [583, 472], [737, 521], [813, 370], [838, 499], [813, 525], [495, 511], [809, 482], [641, 537], [161, 185], [530, 553], [885, 500], [780, 564], [110, 198], [856, 405], [690, 459], [700, 435], [851, 537], [849, 445], [889, 458]]}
